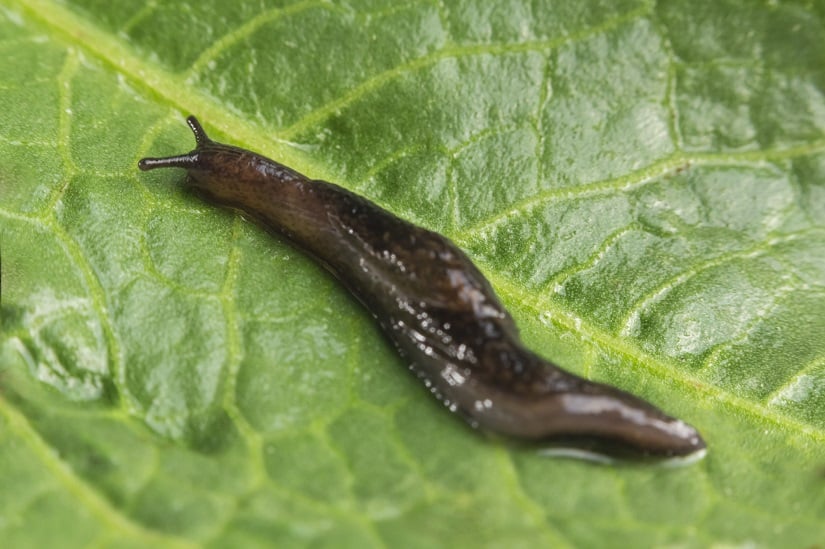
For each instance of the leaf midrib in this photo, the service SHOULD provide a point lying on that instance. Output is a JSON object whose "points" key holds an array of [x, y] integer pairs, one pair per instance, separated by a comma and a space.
{"points": [[175, 89], [172, 88]]}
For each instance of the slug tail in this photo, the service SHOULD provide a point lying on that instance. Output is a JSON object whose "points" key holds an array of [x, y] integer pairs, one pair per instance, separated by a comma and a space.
{"points": [[611, 422], [181, 161]]}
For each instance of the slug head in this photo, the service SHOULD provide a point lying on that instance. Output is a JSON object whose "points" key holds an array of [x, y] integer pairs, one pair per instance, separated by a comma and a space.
{"points": [[228, 175]]}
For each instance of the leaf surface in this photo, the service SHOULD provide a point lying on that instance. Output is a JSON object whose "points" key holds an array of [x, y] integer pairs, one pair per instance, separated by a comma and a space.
{"points": [[643, 183]]}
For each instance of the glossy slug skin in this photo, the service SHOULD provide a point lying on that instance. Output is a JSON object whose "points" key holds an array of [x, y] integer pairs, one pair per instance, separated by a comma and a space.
{"points": [[436, 307]]}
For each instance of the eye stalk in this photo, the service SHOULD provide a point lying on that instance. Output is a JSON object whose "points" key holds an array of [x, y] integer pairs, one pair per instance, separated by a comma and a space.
{"points": [[200, 135], [185, 161]]}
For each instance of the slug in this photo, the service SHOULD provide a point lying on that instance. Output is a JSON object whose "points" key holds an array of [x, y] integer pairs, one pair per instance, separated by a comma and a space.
{"points": [[437, 308]]}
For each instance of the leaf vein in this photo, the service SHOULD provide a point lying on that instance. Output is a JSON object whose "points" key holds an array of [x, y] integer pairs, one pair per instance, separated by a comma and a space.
{"points": [[658, 293], [83, 493]]}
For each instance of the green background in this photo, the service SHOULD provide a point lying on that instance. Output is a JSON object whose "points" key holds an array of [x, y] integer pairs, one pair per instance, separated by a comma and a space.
{"points": [[643, 183]]}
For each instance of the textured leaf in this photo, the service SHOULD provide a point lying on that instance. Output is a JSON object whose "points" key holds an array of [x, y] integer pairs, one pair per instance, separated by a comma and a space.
{"points": [[643, 182]]}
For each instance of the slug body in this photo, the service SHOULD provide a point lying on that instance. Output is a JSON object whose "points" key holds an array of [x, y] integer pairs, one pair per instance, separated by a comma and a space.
{"points": [[437, 308]]}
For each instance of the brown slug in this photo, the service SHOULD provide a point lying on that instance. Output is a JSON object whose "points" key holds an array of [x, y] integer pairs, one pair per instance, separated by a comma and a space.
{"points": [[437, 308]]}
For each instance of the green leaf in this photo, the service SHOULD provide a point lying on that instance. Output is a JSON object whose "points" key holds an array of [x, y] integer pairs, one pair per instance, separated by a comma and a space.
{"points": [[643, 183]]}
